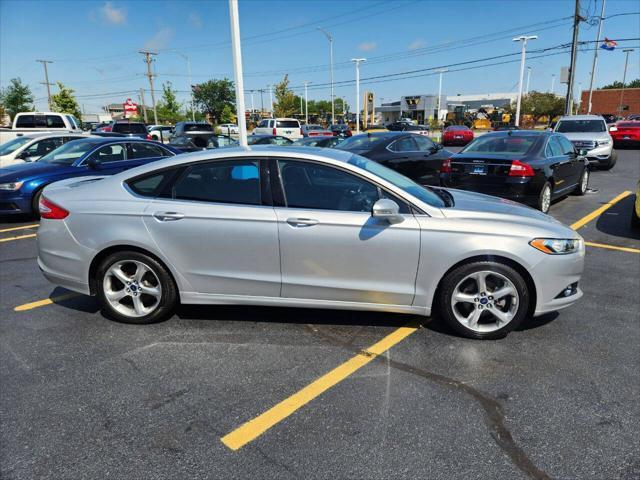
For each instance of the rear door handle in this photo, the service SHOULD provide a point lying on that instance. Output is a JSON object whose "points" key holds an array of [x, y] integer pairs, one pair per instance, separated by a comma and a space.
{"points": [[168, 216], [302, 222]]}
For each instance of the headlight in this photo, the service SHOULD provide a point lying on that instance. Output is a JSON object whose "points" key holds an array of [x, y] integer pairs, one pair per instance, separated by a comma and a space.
{"points": [[12, 186], [556, 246], [613, 129], [603, 142]]}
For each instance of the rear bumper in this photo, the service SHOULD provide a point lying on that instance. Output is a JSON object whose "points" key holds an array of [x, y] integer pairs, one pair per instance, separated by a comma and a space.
{"points": [[513, 188]]}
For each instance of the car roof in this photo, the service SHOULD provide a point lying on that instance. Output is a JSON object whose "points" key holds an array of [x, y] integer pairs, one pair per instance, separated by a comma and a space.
{"points": [[39, 135], [582, 117], [520, 133]]}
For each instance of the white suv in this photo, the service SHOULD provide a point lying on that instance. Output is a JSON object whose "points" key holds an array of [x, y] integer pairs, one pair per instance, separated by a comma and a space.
{"points": [[590, 133], [286, 127]]}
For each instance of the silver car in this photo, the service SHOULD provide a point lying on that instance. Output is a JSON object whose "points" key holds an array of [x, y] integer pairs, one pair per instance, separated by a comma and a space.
{"points": [[303, 227], [590, 134]]}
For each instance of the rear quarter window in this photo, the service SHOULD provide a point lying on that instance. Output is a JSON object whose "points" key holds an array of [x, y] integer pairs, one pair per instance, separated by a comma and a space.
{"points": [[149, 185]]}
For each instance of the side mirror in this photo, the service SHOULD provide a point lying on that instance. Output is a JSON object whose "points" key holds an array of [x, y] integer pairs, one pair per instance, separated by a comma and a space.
{"points": [[388, 210], [582, 152], [94, 163]]}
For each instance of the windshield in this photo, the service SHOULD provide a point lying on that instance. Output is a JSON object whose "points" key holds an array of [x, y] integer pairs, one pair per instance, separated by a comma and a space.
{"points": [[68, 153], [361, 142], [507, 144], [314, 127], [399, 180], [581, 126], [12, 145]]}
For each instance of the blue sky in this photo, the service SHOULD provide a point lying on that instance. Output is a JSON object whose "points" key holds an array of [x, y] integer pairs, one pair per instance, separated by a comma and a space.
{"points": [[94, 44]]}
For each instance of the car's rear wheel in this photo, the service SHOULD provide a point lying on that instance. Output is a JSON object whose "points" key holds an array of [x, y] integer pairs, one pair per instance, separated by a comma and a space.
{"points": [[581, 189], [483, 300], [135, 288], [544, 199]]}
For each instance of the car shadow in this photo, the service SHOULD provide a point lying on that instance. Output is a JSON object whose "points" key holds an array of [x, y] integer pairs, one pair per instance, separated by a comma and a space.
{"points": [[616, 221], [438, 325], [74, 301], [21, 218]]}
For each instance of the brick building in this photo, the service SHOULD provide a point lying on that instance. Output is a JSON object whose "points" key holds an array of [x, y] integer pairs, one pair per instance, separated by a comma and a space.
{"points": [[608, 101]]}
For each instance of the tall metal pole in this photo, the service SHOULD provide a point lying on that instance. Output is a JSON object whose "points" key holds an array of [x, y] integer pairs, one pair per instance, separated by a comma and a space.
{"points": [[624, 77], [144, 106], [357, 61], [237, 71], [524, 40], [193, 115], [330, 38], [568, 105], [526, 92], [46, 80], [261, 102], [595, 56], [270, 100], [147, 58], [306, 104], [553, 83], [441, 72]]}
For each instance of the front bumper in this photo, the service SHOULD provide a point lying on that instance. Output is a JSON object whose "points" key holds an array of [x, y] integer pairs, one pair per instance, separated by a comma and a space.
{"points": [[14, 203], [600, 155]]}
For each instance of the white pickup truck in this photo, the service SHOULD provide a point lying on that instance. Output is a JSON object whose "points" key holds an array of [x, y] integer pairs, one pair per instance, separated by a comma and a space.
{"points": [[32, 122]]}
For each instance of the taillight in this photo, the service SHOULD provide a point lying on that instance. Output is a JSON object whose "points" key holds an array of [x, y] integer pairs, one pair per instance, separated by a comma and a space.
{"points": [[50, 210], [149, 137], [446, 166], [520, 169], [274, 130]]}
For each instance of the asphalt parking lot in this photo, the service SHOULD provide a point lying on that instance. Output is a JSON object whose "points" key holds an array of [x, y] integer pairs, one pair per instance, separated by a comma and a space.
{"points": [[237, 392]]}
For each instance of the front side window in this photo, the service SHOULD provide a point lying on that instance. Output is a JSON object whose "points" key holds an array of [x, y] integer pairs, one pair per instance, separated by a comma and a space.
{"points": [[406, 144], [566, 146], [312, 186], [554, 149], [233, 182], [110, 153], [147, 150]]}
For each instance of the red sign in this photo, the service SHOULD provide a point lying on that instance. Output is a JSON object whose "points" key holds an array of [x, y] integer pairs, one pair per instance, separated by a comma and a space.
{"points": [[130, 108]]}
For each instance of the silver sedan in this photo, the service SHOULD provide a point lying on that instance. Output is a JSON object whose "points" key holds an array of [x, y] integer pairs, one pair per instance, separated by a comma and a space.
{"points": [[303, 227]]}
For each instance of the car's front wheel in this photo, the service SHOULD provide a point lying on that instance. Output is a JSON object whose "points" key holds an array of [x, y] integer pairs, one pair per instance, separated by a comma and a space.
{"points": [[135, 288], [483, 300]]}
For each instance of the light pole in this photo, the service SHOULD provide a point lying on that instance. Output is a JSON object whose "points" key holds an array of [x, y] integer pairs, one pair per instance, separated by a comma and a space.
{"points": [[526, 92], [441, 72], [306, 103], [237, 71], [553, 82], [523, 39], [357, 61], [624, 77], [193, 115], [330, 38], [270, 100], [595, 56]]}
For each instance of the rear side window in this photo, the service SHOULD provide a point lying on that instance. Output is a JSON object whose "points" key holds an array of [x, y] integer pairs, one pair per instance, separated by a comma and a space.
{"points": [[287, 124], [26, 121], [55, 121], [232, 182], [149, 185], [136, 128], [110, 153], [404, 145], [147, 150], [566, 146]]}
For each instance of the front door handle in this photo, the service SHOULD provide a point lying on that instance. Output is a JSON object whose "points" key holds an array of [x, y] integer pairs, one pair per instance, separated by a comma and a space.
{"points": [[302, 222], [168, 216]]}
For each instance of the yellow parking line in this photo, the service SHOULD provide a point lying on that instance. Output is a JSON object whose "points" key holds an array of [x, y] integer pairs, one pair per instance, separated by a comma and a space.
{"points": [[45, 302], [24, 227], [612, 247], [260, 424], [599, 211], [19, 237]]}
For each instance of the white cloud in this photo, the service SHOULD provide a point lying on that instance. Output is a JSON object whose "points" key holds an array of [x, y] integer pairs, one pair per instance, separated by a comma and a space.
{"points": [[367, 46], [113, 15], [417, 43], [195, 20], [160, 40]]}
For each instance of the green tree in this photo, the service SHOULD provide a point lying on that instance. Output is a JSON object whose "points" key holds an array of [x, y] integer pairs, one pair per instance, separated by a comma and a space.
{"points": [[539, 104], [65, 102], [16, 98], [213, 95], [168, 108], [287, 103], [617, 84]]}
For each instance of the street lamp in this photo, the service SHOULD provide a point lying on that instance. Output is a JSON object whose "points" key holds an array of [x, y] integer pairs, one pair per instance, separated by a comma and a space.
{"points": [[358, 61], [526, 92], [330, 38], [441, 71], [306, 103], [193, 115], [624, 77], [523, 39]]}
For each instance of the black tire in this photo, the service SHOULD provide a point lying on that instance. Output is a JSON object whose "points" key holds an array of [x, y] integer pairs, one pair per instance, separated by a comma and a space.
{"points": [[453, 278], [169, 293], [35, 202], [612, 161], [542, 204], [583, 184]]}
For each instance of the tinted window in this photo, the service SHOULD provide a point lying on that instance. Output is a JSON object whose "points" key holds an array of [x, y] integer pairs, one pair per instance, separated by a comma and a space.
{"points": [[55, 121], [424, 144], [507, 144], [109, 153], [566, 146], [147, 150], [148, 185], [136, 128], [582, 126], [26, 121], [313, 186], [404, 145], [43, 147], [554, 149], [198, 127], [287, 124], [234, 182]]}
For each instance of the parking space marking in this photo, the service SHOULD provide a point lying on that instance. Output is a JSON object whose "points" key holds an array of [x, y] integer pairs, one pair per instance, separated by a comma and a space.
{"points": [[612, 247], [599, 211], [252, 429], [24, 227], [45, 302], [19, 237]]}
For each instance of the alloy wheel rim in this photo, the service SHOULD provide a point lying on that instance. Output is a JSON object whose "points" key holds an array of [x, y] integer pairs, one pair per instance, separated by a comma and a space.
{"points": [[132, 288], [546, 199], [485, 301], [585, 181]]}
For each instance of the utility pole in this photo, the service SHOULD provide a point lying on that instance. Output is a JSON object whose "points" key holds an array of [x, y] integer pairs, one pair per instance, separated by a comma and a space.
{"points": [[261, 102], [147, 58], [553, 82], [526, 92], [330, 38], [523, 39], [568, 105], [193, 115], [595, 56], [270, 100], [144, 106], [306, 103], [46, 80], [624, 77], [237, 71], [441, 72], [357, 61]]}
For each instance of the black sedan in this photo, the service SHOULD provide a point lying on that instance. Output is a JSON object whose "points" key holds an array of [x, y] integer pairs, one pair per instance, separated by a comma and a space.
{"points": [[413, 155], [322, 142], [203, 141], [531, 167], [268, 140]]}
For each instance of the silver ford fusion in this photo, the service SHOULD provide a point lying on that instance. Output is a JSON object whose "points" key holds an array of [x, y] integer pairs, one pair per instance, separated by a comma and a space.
{"points": [[303, 227]]}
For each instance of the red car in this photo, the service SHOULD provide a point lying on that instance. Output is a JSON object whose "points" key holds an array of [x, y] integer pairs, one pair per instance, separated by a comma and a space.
{"points": [[457, 135], [625, 133]]}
